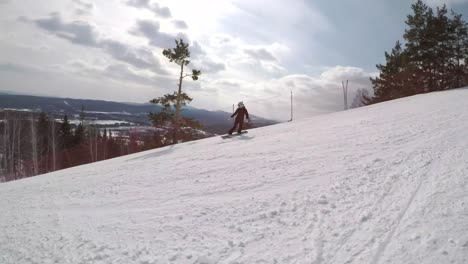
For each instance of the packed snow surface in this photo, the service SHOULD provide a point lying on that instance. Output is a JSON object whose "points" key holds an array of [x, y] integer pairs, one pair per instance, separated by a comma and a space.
{"points": [[381, 184]]}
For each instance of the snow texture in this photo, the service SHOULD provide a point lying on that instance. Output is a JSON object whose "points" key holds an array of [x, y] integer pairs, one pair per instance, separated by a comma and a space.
{"points": [[381, 184]]}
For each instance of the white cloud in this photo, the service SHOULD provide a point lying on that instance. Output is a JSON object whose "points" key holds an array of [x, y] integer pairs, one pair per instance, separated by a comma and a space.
{"points": [[78, 32], [246, 61], [260, 54], [159, 11], [83, 8], [207, 65], [180, 24], [151, 31], [82, 33]]}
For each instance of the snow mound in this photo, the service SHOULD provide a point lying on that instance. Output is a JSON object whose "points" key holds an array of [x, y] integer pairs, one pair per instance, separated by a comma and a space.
{"points": [[381, 184]]}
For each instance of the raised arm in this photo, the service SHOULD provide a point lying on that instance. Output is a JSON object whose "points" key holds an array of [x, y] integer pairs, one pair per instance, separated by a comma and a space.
{"points": [[235, 113]]}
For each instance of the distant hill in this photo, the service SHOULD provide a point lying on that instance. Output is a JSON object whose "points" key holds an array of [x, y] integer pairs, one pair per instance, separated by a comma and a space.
{"points": [[213, 121]]}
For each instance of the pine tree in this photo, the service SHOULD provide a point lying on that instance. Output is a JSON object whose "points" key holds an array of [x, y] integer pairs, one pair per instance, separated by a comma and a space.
{"points": [[42, 132], [443, 53], [393, 78], [434, 58], [459, 45], [419, 45], [79, 135], [431, 45], [179, 55], [65, 134], [43, 142]]}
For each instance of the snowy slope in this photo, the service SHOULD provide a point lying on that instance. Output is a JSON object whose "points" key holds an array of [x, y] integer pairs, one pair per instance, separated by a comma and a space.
{"points": [[380, 184]]}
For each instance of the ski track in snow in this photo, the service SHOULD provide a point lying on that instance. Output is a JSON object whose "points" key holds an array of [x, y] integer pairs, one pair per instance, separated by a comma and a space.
{"points": [[381, 184]]}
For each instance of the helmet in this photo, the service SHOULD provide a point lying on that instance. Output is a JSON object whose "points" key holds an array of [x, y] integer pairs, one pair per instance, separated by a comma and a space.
{"points": [[240, 104]]}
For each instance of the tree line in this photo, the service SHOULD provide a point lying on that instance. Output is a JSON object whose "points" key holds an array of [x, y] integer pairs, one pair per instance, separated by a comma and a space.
{"points": [[32, 143], [434, 56]]}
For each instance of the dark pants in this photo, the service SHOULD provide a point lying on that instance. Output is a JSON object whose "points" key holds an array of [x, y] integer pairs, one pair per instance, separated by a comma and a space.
{"points": [[239, 122]]}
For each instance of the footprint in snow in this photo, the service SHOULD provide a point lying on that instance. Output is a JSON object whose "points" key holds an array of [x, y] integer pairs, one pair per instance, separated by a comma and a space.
{"points": [[323, 200]]}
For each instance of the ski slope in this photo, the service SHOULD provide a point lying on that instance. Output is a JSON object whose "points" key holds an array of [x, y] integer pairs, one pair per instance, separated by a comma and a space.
{"points": [[381, 184]]}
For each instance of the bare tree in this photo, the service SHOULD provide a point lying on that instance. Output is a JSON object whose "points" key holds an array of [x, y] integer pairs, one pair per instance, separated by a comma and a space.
{"points": [[93, 135], [20, 157], [358, 100], [34, 145], [53, 142], [6, 148], [5, 140]]}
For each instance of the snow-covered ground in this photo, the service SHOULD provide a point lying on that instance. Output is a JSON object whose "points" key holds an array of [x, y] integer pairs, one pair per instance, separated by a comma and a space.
{"points": [[381, 184]]}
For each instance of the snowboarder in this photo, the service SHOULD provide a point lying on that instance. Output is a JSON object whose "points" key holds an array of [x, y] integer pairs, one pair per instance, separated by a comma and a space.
{"points": [[240, 114]]}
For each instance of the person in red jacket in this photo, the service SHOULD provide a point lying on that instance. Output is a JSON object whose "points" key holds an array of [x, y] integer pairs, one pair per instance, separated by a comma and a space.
{"points": [[240, 114]]}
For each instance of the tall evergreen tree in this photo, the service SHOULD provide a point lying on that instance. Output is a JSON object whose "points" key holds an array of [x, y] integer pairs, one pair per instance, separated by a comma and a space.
{"points": [[440, 32], [79, 135], [419, 45], [65, 134], [179, 55], [459, 46], [393, 79], [434, 58], [42, 132]]}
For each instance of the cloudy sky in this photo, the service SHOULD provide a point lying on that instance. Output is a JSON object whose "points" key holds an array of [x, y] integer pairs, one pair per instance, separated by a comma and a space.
{"points": [[252, 51]]}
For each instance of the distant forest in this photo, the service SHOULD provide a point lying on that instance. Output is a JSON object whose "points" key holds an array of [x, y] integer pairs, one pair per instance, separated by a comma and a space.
{"points": [[35, 143]]}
